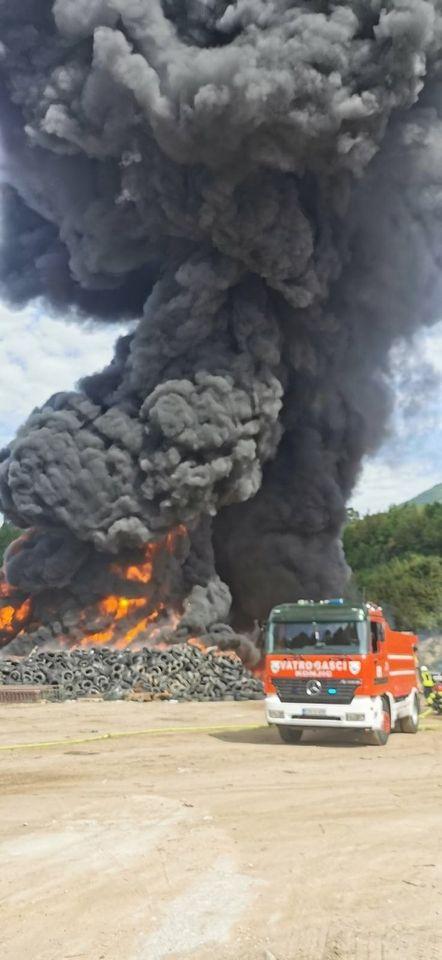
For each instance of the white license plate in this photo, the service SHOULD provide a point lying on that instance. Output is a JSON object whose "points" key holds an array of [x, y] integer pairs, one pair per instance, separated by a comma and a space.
{"points": [[314, 712]]}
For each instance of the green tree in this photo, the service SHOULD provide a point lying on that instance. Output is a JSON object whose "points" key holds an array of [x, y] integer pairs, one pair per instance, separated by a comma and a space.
{"points": [[399, 532], [411, 587], [396, 559]]}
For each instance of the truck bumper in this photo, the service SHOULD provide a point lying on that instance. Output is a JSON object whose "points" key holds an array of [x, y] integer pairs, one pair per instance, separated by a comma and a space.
{"points": [[363, 713]]}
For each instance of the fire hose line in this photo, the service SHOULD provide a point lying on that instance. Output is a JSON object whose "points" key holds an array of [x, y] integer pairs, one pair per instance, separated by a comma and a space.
{"points": [[152, 731]]}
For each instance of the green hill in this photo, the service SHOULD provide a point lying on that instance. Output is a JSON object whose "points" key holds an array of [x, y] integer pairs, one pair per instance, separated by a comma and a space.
{"points": [[434, 495]]}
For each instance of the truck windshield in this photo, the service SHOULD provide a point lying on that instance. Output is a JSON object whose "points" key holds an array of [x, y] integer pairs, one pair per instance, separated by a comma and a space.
{"points": [[345, 637]]}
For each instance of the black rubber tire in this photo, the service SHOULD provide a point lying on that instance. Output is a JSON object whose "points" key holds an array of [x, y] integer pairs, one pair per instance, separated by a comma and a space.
{"points": [[410, 724], [289, 734], [379, 738]]}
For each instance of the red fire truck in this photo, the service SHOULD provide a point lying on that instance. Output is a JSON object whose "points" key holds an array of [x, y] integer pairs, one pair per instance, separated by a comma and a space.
{"points": [[331, 664]]}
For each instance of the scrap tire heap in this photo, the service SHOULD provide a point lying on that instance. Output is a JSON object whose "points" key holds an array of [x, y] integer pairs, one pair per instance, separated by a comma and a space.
{"points": [[181, 672]]}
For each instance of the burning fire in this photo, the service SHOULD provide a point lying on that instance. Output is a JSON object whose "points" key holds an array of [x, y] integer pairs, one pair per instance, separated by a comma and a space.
{"points": [[125, 617], [14, 611], [117, 620], [135, 614], [13, 617], [130, 616]]}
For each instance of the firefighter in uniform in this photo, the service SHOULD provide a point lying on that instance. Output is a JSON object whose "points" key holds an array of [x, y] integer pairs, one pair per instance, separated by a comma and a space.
{"points": [[428, 684]]}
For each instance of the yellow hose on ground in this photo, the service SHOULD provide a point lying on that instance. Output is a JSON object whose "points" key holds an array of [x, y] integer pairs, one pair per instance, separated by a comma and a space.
{"points": [[129, 733], [150, 731]]}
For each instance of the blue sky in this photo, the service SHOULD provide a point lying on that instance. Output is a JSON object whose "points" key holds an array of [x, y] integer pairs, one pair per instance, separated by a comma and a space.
{"points": [[40, 355]]}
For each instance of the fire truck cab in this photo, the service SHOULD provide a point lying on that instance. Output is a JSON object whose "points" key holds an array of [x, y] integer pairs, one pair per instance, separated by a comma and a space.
{"points": [[332, 664]]}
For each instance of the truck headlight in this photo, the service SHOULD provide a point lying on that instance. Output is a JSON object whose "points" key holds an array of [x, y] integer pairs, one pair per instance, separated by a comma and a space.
{"points": [[276, 714], [356, 717]]}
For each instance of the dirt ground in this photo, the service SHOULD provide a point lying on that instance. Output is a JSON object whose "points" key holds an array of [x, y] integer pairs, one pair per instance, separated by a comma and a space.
{"points": [[214, 844]]}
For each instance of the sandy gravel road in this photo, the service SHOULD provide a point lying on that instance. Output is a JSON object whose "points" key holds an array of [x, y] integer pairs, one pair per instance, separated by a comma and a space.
{"points": [[214, 845]]}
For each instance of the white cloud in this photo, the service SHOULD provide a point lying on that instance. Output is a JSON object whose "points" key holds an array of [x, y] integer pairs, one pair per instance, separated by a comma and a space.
{"points": [[381, 485], [40, 355], [431, 346]]}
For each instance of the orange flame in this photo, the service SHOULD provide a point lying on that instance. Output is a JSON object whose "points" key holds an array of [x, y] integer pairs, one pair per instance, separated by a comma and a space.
{"points": [[6, 617], [11, 617], [97, 639], [119, 607], [126, 626], [119, 619]]}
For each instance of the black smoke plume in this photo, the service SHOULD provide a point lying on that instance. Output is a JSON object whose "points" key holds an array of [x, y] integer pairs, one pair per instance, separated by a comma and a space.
{"points": [[259, 184]]}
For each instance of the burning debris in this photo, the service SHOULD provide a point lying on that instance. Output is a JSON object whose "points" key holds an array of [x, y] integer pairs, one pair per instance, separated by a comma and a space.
{"points": [[136, 612], [14, 612], [257, 185], [182, 672]]}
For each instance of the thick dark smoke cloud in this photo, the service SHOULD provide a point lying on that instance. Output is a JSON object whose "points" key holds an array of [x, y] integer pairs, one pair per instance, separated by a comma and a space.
{"points": [[260, 183]]}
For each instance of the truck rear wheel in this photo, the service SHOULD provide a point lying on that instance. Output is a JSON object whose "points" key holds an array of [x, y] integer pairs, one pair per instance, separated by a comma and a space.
{"points": [[289, 734], [410, 724], [379, 738]]}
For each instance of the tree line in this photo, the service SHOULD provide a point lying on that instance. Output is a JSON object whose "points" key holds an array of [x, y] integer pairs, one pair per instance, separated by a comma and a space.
{"points": [[396, 561]]}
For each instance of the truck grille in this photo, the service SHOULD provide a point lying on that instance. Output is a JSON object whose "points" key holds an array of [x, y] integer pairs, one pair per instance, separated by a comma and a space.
{"points": [[295, 691]]}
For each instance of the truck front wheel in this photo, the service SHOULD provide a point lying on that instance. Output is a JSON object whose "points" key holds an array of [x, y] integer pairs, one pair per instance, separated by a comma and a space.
{"points": [[289, 734], [410, 724], [379, 738]]}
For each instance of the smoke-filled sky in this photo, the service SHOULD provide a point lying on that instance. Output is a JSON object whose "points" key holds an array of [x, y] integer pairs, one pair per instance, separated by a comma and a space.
{"points": [[40, 355], [259, 186]]}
